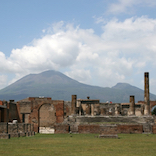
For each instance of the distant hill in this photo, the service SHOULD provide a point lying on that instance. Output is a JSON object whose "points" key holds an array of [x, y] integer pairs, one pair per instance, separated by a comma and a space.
{"points": [[60, 87]]}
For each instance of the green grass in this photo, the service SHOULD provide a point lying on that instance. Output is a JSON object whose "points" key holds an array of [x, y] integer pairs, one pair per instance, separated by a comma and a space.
{"points": [[79, 145]]}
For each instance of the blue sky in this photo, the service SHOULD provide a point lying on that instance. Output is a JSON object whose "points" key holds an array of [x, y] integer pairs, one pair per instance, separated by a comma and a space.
{"points": [[98, 42]]}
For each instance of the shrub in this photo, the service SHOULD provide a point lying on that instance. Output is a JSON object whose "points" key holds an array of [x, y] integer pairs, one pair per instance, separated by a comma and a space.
{"points": [[154, 111]]}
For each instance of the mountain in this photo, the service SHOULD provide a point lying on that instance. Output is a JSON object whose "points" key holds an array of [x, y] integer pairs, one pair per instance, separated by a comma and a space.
{"points": [[60, 87]]}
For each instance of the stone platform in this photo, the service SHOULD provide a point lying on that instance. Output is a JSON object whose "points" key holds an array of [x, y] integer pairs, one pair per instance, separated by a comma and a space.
{"points": [[114, 136]]}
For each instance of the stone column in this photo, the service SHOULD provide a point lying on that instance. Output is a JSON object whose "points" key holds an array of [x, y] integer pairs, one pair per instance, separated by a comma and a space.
{"points": [[132, 105], [79, 106], [73, 104], [146, 94], [92, 109], [117, 109]]}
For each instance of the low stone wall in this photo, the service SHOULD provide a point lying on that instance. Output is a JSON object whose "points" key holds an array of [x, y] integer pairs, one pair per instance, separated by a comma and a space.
{"points": [[154, 129], [101, 129], [3, 127], [115, 119], [8, 130], [110, 129], [138, 129], [61, 128]]}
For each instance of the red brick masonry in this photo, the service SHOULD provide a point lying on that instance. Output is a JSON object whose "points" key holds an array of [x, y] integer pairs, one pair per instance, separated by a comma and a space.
{"points": [[103, 129], [154, 129], [61, 128]]}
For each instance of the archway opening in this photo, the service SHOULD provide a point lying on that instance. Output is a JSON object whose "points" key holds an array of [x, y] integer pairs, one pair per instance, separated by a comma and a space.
{"points": [[47, 118]]}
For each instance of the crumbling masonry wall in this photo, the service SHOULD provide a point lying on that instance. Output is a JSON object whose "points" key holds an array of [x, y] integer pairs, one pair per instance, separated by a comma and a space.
{"points": [[9, 130], [33, 111]]}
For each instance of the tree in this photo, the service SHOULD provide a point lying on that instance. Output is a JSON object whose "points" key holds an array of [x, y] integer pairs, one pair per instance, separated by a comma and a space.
{"points": [[154, 111]]}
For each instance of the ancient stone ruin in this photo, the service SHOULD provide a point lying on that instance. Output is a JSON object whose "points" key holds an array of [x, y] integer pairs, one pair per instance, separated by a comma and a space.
{"points": [[44, 115]]}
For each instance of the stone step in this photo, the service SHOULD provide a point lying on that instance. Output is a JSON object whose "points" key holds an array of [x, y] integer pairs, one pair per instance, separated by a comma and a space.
{"points": [[46, 130], [147, 128], [115, 136]]}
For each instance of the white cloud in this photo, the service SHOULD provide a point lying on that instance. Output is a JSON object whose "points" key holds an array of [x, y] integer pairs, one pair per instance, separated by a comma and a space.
{"points": [[122, 50], [126, 6], [3, 81], [82, 75]]}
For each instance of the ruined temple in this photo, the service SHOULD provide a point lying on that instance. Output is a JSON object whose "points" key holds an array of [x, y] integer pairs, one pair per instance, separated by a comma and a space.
{"points": [[88, 115]]}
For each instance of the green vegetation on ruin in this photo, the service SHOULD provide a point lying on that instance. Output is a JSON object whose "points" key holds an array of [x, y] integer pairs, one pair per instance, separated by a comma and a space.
{"points": [[79, 144]]}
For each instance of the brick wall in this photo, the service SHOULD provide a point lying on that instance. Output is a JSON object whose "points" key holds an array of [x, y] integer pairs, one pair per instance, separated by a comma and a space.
{"points": [[59, 112], [61, 128], [103, 129], [154, 129], [89, 129], [130, 129], [110, 129]]}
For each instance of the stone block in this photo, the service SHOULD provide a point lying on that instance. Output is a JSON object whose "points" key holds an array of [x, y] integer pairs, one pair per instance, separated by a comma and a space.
{"points": [[154, 129], [61, 128], [14, 135], [32, 133], [22, 134], [3, 127], [114, 136], [28, 134], [89, 129], [138, 129], [4, 136]]}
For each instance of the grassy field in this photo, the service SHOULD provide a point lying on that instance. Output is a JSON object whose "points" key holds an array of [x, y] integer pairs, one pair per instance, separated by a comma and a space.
{"points": [[79, 145]]}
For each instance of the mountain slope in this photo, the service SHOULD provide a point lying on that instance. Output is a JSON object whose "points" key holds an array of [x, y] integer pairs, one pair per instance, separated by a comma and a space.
{"points": [[60, 87]]}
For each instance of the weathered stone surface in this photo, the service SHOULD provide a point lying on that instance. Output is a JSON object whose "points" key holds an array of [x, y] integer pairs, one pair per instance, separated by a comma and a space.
{"points": [[116, 119], [46, 130], [22, 134], [25, 107], [42, 112], [9, 130], [132, 105], [61, 128], [154, 129], [3, 127], [4, 136], [114, 136], [147, 128], [74, 128], [146, 94], [73, 104], [14, 135], [89, 129], [47, 115], [130, 129], [102, 129]]}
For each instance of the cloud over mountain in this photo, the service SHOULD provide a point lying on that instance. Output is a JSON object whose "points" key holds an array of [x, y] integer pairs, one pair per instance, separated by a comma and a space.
{"points": [[122, 48]]}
